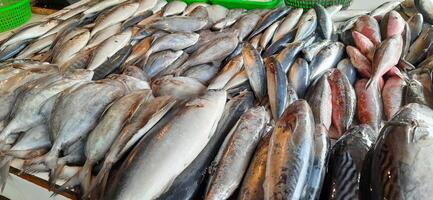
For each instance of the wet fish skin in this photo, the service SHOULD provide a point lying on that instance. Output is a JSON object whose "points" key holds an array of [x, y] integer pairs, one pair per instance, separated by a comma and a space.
{"points": [[204, 72], [425, 8], [255, 70], [384, 8], [327, 58], [104, 34], [277, 87], [282, 161], [288, 24], [415, 24], [344, 15], [324, 22], [288, 55], [179, 87], [159, 61], [79, 61], [346, 67], [180, 24], [369, 105], [135, 19], [138, 50], [267, 34], [231, 18], [237, 80], [306, 25], [418, 49], [12, 50], [359, 61], [207, 37], [343, 102], [118, 14], [299, 76], [36, 46], [112, 64], [33, 143], [280, 44], [173, 41], [174, 8], [364, 44], [135, 72], [312, 50], [233, 158], [369, 27], [227, 72], [392, 96], [319, 97], [216, 13], [206, 111], [200, 12], [71, 47], [194, 5], [268, 19], [246, 24]]}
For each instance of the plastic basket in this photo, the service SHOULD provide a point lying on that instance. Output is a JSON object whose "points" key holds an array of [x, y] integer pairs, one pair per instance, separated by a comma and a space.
{"points": [[14, 13], [249, 4], [311, 3]]}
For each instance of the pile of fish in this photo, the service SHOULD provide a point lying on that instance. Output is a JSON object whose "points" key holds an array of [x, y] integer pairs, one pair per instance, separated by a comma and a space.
{"points": [[146, 99]]}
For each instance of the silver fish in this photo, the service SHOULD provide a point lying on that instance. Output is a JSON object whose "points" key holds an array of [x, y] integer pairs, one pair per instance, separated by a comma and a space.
{"points": [[216, 12], [71, 47], [327, 58], [348, 69], [180, 24], [174, 41], [425, 8], [178, 87], [145, 5], [237, 80], [288, 55], [415, 24], [246, 24], [159, 61], [193, 6], [277, 87], [255, 70], [36, 46], [117, 15], [228, 71], [384, 8], [269, 19], [299, 76], [418, 49], [135, 72], [267, 35], [101, 6], [324, 22], [344, 15], [159, 5], [204, 72], [306, 25], [174, 8], [288, 24], [319, 97], [104, 34], [231, 18]]}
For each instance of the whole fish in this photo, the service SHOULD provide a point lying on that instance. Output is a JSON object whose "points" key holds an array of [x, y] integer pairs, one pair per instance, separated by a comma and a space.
{"points": [[345, 163], [384, 8], [277, 87], [364, 44], [178, 87], [227, 72], [231, 18], [200, 12], [145, 5], [73, 12], [234, 156], [159, 5], [255, 70], [418, 49], [306, 25], [386, 56], [320, 163], [392, 24], [12, 50], [180, 24], [113, 63], [194, 5], [343, 102], [346, 67], [290, 153], [299, 76], [71, 47], [131, 83], [344, 15], [174, 41], [415, 24], [138, 50], [369, 105], [269, 19], [204, 72], [326, 59], [288, 24], [369, 27], [118, 14], [159, 61], [425, 8], [288, 55], [319, 96], [312, 50], [174, 8], [359, 61], [216, 13], [267, 35], [36, 46], [104, 34], [392, 96], [246, 24], [324, 22], [160, 149], [135, 72]]}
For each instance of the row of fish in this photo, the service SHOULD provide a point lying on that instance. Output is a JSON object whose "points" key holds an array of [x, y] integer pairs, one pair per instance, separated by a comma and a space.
{"points": [[168, 101]]}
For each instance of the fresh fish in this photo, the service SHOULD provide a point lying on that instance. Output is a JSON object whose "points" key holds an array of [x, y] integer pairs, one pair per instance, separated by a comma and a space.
{"points": [[234, 156], [206, 37], [324, 22], [118, 14], [332, 10], [346, 67], [170, 70], [71, 47], [369, 105], [202, 13], [347, 25], [277, 87], [100, 6], [113, 63], [288, 55], [73, 12], [290, 153], [288, 24], [255, 70], [228, 71], [159, 5], [12, 50], [368, 27], [174, 41], [245, 25], [160, 149], [130, 22], [138, 50], [299, 76], [386, 56], [145, 6], [231, 18], [180, 24], [193, 6], [326, 59], [267, 35], [216, 13], [343, 102], [392, 24], [178, 87], [35, 142], [392, 96], [255, 42], [131, 83], [36, 46], [359, 61], [364, 44], [311, 51], [345, 163], [135, 72], [413, 92], [108, 48], [306, 25], [104, 34], [344, 15], [79, 61], [239, 79], [415, 24], [320, 163], [425, 8], [159, 61], [174, 8], [319, 97], [204, 72], [269, 19], [418, 49], [384, 8]]}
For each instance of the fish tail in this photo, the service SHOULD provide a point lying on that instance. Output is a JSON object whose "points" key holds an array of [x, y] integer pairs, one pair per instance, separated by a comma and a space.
{"points": [[85, 176], [373, 81], [100, 180], [54, 175], [4, 171], [72, 182]]}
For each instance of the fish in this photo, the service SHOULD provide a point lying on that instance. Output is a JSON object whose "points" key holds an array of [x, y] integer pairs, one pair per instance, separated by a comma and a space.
{"points": [[173, 41], [118, 14], [359, 61], [251, 187], [178, 87], [216, 13], [346, 67], [280, 44], [306, 25], [415, 24], [36, 46], [135, 72], [233, 158], [392, 96], [386, 56], [324, 22], [100, 6], [319, 97], [245, 25], [113, 63], [71, 47], [343, 102], [312, 50], [267, 35], [180, 24], [160, 149], [108, 48], [159, 5], [288, 24], [294, 132], [174, 8], [131, 21], [413, 92], [419, 47], [73, 12], [384, 8], [277, 86], [231, 18], [255, 70], [332, 10], [344, 15], [369, 27], [159, 61], [138, 50], [200, 12], [269, 19], [104, 34], [393, 24], [345, 163], [327, 58], [193, 6], [237, 80], [79, 61], [255, 42], [12, 50], [425, 8], [227, 72], [206, 37], [204, 72], [288, 55], [146, 5], [299, 76], [369, 105], [33, 143], [364, 45]]}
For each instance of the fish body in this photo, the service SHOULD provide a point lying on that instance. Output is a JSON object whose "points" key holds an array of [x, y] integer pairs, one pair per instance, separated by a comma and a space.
{"points": [[326, 59], [299, 76], [227, 72], [369, 105], [174, 8], [325, 23], [288, 24], [369, 27], [180, 24], [346, 67], [255, 70], [277, 87], [178, 87], [119, 14], [288, 55], [392, 96], [246, 24], [319, 96]]}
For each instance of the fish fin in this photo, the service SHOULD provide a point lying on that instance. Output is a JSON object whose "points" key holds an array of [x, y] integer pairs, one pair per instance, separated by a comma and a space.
{"points": [[85, 176], [54, 175], [4, 172], [373, 81], [100, 180], [72, 182]]}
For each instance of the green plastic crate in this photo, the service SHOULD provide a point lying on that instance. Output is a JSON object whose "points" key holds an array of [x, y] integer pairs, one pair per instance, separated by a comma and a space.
{"points": [[252, 4], [311, 3], [14, 13]]}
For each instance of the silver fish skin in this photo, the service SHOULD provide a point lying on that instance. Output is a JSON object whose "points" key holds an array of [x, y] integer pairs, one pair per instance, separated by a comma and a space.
{"points": [[131, 83], [60, 27], [207, 36], [255, 70], [311, 51], [231, 18], [277, 87], [78, 61], [71, 47], [269, 19], [418, 49], [334, 9], [159, 5], [12, 50], [228, 72], [288, 55], [170, 70], [326, 59], [290, 153], [425, 8], [113, 63], [180, 24], [255, 176], [306, 25], [118, 14], [67, 123], [73, 12], [239, 79], [212, 51], [26, 112], [319, 97], [204, 72], [174, 8], [246, 24], [344, 15], [178, 87], [348, 69], [384, 8], [194, 5], [200, 12], [299, 76], [138, 50], [104, 34], [160, 148], [322, 146], [288, 24], [97, 7], [135, 72], [216, 13], [173, 41], [233, 158], [415, 23], [145, 5], [34, 142], [324, 22], [36, 46], [159, 61], [266, 36]]}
